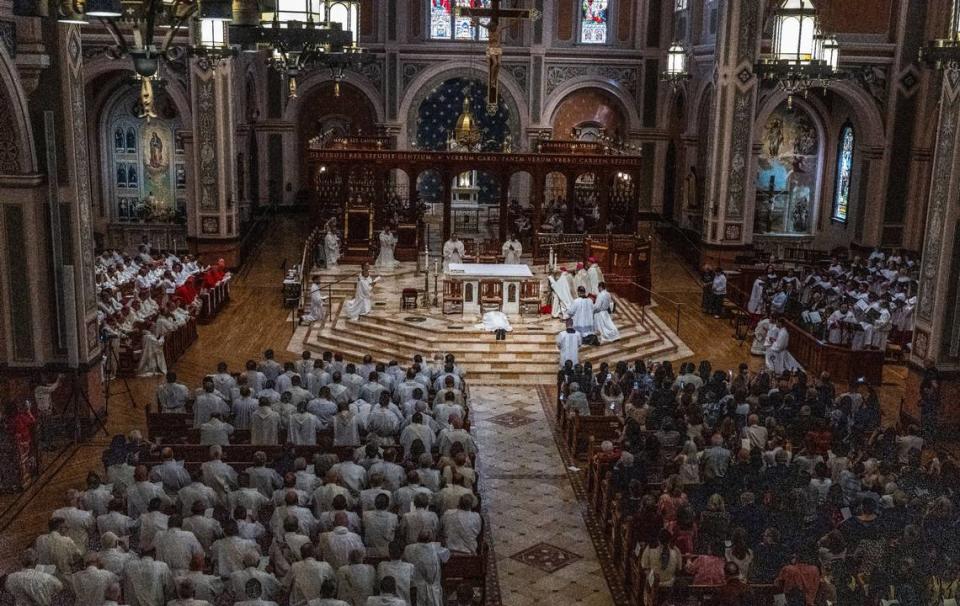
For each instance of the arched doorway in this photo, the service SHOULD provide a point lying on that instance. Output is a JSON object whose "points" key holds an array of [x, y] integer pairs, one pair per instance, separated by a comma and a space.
{"points": [[587, 114]]}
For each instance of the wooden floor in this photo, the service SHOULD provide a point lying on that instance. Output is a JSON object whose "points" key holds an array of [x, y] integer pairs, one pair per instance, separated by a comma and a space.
{"points": [[255, 320]]}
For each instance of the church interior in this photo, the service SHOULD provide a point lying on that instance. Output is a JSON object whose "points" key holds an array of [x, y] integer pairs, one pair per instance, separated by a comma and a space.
{"points": [[479, 302]]}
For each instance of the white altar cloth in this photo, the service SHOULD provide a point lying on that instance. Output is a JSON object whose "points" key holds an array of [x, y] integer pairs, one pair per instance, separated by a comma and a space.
{"points": [[489, 270]]}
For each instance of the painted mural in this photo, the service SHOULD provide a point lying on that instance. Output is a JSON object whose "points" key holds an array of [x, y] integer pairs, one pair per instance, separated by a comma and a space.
{"points": [[788, 173]]}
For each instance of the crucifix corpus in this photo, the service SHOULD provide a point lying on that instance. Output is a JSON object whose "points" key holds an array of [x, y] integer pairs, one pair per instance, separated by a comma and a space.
{"points": [[498, 18]]}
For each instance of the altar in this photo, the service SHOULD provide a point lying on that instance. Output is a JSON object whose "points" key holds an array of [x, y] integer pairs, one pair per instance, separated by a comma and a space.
{"points": [[472, 274]]}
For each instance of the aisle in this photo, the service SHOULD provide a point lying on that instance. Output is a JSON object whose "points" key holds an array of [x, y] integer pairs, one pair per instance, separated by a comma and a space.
{"points": [[543, 551]]}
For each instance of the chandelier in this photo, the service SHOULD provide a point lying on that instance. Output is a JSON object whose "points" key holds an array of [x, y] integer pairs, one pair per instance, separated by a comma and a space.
{"points": [[676, 72], [299, 34], [944, 53], [802, 57]]}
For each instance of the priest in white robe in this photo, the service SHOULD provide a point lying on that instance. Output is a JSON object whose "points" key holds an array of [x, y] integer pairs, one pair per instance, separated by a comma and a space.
{"points": [[560, 297], [453, 251], [316, 298], [331, 246], [512, 250], [759, 346], [603, 323], [152, 360], [362, 302], [779, 340], [581, 312], [388, 246], [580, 279], [835, 324], [427, 558], [30, 585], [881, 329], [755, 304], [568, 344], [594, 277]]}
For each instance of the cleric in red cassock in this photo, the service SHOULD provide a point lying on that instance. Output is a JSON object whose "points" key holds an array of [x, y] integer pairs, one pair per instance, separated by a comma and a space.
{"points": [[215, 274], [186, 292]]}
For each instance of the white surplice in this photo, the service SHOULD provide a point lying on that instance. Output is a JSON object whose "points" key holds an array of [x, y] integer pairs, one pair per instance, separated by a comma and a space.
{"points": [[427, 560], [512, 250], [776, 356], [152, 360], [560, 298], [755, 304], [759, 346], [331, 248], [581, 311], [362, 302], [316, 304], [602, 320], [386, 258], [568, 343], [496, 320], [594, 278]]}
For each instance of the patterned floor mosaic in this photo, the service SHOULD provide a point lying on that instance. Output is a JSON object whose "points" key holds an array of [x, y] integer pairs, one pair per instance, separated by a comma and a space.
{"points": [[542, 545]]}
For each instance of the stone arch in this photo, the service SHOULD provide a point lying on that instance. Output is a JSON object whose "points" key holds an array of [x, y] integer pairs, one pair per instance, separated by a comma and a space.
{"points": [[624, 99], [418, 90], [15, 120], [316, 78]]}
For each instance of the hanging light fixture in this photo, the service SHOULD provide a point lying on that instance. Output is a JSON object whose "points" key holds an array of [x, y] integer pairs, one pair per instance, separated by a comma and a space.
{"points": [[299, 34], [944, 53], [801, 56], [676, 72]]}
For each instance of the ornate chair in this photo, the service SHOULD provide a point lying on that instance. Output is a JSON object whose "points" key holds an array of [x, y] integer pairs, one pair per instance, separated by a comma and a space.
{"points": [[491, 295], [452, 296], [530, 297], [488, 251], [408, 298]]}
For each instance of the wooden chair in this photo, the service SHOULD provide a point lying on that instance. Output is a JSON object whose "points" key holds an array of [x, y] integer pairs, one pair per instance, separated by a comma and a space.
{"points": [[452, 296], [488, 251], [491, 295], [530, 297], [408, 298]]}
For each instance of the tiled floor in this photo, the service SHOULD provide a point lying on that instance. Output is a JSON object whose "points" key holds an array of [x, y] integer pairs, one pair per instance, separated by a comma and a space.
{"points": [[544, 554]]}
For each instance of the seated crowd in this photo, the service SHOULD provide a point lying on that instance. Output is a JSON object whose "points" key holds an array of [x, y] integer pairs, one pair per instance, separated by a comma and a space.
{"points": [[145, 297], [741, 484], [341, 503]]}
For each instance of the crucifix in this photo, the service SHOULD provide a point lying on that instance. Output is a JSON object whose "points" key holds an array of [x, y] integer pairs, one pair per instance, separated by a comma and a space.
{"points": [[498, 18]]}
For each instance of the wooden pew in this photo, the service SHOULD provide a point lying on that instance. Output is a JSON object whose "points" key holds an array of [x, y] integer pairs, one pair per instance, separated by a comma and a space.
{"points": [[469, 569], [584, 428]]}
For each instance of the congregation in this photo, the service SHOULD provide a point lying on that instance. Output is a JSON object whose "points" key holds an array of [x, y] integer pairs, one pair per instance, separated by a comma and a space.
{"points": [[742, 485], [357, 492]]}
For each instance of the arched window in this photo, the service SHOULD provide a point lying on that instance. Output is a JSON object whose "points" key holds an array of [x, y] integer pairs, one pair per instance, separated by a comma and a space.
{"points": [[841, 193], [446, 25], [593, 21]]}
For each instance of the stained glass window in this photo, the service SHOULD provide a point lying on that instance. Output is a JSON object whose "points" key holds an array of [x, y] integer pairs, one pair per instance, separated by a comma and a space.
{"points": [[841, 195], [445, 25], [593, 22], [679, 5]]}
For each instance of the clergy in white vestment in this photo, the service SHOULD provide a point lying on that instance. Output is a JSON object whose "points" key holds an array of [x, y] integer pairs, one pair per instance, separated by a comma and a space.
{"points": [[331, 246], [427, 558], [388, 245], [303, 427], [315, 297], [594, 277], [779, 340], [172, 396], [881, 329], [580, 279], [560, 298], [31, 586], [512, 250], [759, 346], [603, 323], [835, 324], [755, 304], [264, 424], [90, 585], [388, 594], [147, 582], [306, 576], [581, 312], [152, 360], [356, 581], [453, 251], [362, 302], [494, 321], [568, 344], [461, 527]]}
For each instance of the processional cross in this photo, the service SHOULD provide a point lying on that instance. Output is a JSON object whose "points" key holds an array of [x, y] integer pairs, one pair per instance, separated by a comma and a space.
{"points": [[499, 18]]}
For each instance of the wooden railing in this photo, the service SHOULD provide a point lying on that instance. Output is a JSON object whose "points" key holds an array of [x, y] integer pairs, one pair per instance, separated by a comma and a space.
{"points": [[842, 362]]}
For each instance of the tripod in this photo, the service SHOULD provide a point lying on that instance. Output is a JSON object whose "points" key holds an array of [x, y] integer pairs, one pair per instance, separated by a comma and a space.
{"points": [[77, 395], [111, 364]]}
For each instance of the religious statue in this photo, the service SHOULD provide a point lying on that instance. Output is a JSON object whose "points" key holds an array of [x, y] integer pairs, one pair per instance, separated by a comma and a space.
{"points": [[156, 151], [498, 19]]}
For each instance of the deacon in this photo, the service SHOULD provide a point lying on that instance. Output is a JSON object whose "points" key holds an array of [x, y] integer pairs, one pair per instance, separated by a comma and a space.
{"points": [[602, 320], [453, 251], [362, 302], [512, 249], [581, 312], [755, 304], [580, 278]]}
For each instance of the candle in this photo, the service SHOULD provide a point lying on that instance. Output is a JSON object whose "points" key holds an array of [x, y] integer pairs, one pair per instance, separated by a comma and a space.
{"points": [[436, 268]]}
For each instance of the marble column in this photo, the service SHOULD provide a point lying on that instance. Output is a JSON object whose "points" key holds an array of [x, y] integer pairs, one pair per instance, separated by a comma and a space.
{"points": [[215, 207], [728, 203], [936, 337]]}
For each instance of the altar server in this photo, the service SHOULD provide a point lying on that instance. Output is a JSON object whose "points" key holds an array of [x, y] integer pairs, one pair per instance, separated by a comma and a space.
{"points": [[331, 246], [779, 340], [512, 249], [362, 302], [453, 251], [568, 343], [755, 304], [602, 320], [316, 298], [594, 277], [581, 312]]}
